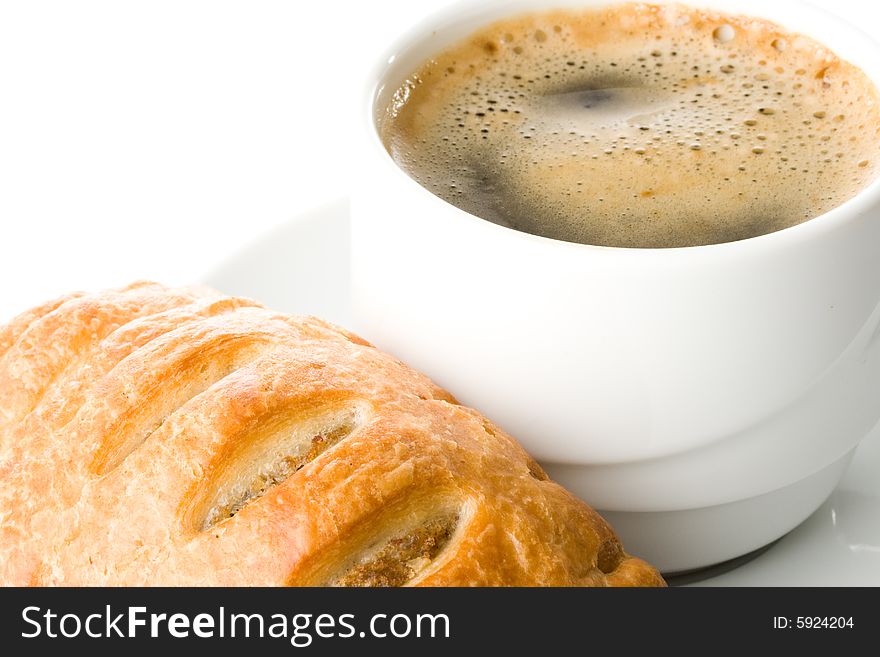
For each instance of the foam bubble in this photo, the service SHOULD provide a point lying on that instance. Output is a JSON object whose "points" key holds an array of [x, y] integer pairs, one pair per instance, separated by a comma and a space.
{"points": [[724, 33], [636, 126]]}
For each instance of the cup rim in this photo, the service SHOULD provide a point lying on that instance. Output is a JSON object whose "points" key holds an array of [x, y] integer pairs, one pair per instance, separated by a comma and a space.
{"points": [[810, 229]]}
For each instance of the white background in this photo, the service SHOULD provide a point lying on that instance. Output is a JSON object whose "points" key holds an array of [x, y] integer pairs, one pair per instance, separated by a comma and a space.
{"points": [[152, 139]]}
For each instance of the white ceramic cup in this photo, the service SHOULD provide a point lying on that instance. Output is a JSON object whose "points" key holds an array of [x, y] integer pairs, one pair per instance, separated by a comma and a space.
{"points": [[706, 400]]}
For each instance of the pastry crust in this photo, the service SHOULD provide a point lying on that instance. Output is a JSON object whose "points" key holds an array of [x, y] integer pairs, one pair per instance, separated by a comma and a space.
{"points": [[156, 436]]}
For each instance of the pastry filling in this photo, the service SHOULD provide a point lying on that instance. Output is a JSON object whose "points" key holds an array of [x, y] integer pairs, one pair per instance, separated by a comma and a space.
{"points": [[609, 557], [261, 462], [276, 472], [401, 558]]}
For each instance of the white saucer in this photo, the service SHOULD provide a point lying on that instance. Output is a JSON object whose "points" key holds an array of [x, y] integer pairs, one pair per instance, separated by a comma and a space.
{"points": [[303, 268]]}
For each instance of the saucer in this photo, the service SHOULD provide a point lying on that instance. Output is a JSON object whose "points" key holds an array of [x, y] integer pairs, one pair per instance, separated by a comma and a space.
{"points": [[302, 267]]}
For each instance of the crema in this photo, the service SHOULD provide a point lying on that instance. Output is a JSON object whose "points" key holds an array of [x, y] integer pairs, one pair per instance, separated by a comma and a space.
{"points": [[637, 126]]}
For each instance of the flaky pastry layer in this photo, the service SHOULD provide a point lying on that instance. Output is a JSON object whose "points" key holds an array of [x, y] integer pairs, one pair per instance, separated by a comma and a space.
{"points": [[156, 436]]}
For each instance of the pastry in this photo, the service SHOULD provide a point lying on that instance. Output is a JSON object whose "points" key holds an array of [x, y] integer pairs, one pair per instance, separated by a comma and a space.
{"points": [[156, 436]]}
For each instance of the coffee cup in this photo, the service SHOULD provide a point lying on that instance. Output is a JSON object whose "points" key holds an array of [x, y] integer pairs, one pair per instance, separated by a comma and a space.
{"points": [[706, 399]]}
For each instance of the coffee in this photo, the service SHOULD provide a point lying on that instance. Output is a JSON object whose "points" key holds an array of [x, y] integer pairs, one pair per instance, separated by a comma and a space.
{"points": [[637, 126]]}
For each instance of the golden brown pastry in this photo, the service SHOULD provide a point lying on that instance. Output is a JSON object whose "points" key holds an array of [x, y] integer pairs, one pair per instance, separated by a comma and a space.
{"points": [[155, 436]]}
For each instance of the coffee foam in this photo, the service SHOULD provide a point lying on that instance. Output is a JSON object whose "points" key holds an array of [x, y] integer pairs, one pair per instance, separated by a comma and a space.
{"points": [[638, 125]]}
